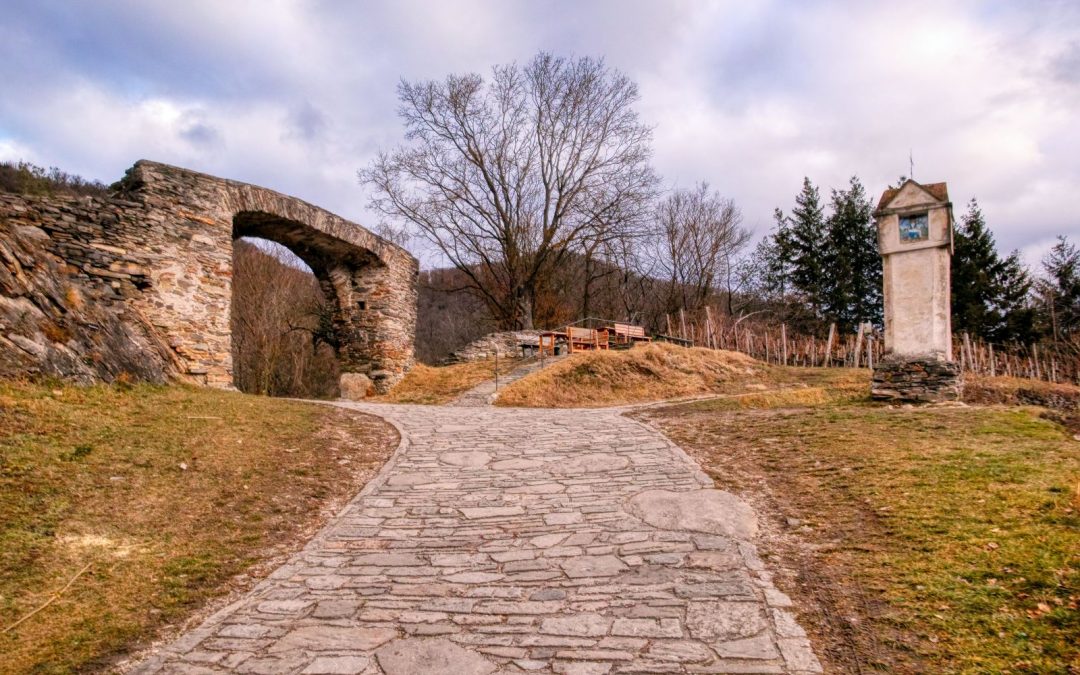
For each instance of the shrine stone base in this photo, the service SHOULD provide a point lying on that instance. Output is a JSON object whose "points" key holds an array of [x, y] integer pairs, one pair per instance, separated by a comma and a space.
{"points": [[917, 379]]}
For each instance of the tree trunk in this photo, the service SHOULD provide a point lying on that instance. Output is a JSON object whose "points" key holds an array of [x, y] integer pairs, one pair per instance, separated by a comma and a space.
{"points": [[585, 294], [524, 303]]}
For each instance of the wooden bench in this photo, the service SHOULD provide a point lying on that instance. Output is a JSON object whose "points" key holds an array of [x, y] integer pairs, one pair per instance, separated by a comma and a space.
{"points": [[628, 333], [546, 340], [585, 338]]}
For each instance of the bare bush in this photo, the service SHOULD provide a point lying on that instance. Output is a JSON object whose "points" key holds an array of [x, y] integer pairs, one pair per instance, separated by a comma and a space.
{"points": [[30, 179], [447, 316]]}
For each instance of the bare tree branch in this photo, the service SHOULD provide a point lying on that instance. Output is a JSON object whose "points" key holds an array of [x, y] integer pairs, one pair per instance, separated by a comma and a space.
{"points": [[508, 177]]}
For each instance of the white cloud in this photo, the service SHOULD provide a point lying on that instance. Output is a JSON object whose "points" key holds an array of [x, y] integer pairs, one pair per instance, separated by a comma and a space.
{"points": [[852, 88], [748, 96], [14, 151]]}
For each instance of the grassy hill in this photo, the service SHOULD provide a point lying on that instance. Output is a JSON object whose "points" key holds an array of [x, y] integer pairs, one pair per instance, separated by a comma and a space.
{"points": [[150, 501], [650, 372], [940, 539]]}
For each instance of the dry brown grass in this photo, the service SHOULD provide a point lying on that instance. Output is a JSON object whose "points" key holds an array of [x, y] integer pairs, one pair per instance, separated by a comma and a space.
{"points": [[163, 495], [1020, 391], [652, 372], [55, 333], [803, 388], [429, 385], [1062, 401]]}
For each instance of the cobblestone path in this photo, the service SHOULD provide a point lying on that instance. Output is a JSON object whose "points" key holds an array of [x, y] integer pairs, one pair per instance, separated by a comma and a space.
{"points": [[516, 541]]}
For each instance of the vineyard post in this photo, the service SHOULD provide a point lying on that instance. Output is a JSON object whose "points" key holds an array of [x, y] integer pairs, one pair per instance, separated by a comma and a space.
{"points": [[828, 346], [708, 329], [858, 345]]}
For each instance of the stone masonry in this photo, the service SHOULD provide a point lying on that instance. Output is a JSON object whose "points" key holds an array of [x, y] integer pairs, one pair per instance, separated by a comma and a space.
{"points": [[51, 325], [161, 246], [507, 344], [917, 379], [516, 541]]}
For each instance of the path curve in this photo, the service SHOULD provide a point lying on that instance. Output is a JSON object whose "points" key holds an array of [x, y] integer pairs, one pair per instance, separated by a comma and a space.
{"points": [[503, 540]]}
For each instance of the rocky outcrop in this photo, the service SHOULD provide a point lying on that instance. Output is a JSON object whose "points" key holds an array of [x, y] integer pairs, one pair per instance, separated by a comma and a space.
{"points": [[920, 379], [54, 322]]}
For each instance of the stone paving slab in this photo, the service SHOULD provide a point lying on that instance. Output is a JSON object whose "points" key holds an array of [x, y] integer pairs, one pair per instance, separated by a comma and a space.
{"points": [[516, 541]]}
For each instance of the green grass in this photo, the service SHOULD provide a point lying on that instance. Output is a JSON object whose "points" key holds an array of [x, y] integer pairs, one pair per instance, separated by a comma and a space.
{"points": [[964, 521], [162, 494]]}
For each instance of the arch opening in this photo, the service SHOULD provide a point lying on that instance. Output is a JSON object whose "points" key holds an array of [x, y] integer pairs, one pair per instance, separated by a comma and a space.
{"points": [[282, 342], [346, 324]]}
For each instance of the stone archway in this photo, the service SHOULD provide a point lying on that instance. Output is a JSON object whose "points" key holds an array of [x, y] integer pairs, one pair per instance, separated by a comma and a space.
{"points": [[191, 220]]}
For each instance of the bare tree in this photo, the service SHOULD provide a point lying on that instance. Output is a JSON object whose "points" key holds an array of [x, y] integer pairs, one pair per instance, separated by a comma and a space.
{"points": [[506, 178], [699, 235], [447, 318]]}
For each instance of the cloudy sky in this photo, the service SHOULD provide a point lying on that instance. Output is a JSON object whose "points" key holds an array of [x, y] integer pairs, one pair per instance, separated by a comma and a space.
{"points": [[747, 95]]}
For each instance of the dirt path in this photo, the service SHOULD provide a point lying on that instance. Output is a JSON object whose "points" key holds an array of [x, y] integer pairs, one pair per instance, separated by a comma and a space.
{"points": [[509, 541]]}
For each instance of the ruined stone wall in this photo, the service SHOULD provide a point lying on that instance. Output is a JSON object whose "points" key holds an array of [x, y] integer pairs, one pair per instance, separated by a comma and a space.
{"points": [[64, 294], [508, 344], [162, 246]]}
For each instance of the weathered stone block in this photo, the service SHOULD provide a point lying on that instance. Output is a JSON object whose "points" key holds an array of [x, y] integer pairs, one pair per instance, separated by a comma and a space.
{"points": [[355, 386]]}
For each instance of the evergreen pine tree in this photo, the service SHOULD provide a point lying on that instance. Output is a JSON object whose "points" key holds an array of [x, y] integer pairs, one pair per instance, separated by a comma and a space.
{"points": [[772, 270], [807, 246], [975, 269], [851, 285], [773, 258], [991, 297], [1061, 290], [1015, 314]]}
